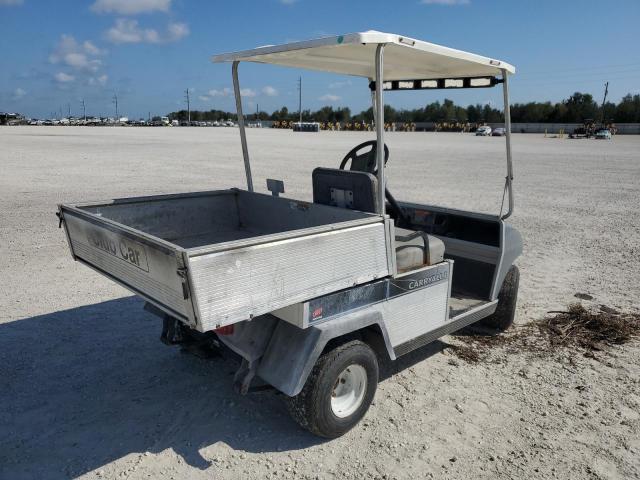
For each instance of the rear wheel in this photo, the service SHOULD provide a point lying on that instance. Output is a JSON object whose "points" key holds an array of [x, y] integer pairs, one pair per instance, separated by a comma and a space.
{"points": [[505, 312], [338, 391]]}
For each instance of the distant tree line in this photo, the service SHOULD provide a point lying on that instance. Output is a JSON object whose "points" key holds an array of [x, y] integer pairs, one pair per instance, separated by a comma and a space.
{"points": [[576, 109]]}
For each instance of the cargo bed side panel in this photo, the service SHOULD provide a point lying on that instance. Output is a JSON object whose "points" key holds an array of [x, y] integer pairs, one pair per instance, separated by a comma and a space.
{"points": [[237, 284], [145, 267]]}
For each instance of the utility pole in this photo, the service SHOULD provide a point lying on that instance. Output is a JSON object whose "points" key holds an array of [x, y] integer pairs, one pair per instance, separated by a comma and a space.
{"points": [[115, 101], [186, 96], [300, 97], [69, 110], [84, 110], [604, 102]]}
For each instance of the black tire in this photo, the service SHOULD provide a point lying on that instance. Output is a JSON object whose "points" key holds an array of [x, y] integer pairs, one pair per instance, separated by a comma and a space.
{"points": [[312, 409], [505, 313]]}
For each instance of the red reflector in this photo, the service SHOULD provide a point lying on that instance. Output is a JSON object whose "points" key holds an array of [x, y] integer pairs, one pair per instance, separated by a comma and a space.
{"points": [[226, 330]]}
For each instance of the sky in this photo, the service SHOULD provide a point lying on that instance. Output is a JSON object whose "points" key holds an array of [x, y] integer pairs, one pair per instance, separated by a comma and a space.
{"points": [[55, 54]]}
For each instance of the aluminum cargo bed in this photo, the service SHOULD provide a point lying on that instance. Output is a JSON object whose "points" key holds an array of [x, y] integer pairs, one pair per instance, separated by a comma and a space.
{"points": [[215, 258]]}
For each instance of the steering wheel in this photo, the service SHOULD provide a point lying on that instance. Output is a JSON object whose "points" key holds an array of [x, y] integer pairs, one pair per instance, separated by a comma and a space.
{"points": [[367, 161]]}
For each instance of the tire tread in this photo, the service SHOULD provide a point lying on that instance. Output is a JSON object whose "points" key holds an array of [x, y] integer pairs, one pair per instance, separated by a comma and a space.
{"points": [[305, 406]]}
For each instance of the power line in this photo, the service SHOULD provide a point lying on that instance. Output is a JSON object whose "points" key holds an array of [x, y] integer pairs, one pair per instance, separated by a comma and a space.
{"points": [[572, 69], [576, 82], [582, 75]]}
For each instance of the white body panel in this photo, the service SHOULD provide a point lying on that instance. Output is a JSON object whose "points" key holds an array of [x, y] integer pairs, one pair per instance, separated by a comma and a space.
{"points": [[243, 283], [417, 313], [409, 305]]}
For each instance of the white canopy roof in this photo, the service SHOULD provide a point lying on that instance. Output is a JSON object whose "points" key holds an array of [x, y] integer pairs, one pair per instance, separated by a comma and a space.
{"points": [[354, 54]]}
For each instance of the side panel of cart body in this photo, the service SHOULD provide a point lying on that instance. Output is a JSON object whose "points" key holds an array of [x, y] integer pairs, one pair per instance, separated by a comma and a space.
{"points": [[394, 314], [243, 283]]}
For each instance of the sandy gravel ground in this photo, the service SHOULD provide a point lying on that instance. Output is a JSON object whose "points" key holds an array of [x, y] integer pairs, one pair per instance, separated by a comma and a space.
{"points": [[87, 390]]}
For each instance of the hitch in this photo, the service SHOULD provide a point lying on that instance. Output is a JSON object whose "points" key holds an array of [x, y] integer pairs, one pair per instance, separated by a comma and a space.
{"points": [[174, 332]]}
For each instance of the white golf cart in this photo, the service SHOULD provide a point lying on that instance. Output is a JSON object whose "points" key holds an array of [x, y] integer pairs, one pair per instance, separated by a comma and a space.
{"points": [[312, 295]]}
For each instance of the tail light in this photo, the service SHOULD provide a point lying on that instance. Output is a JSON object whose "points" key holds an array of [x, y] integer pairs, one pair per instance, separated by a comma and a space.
{"points": [[226, 330]]}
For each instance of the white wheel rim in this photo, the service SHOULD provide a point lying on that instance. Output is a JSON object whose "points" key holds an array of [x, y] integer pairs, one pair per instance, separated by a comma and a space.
{"points": [[348, 391]]}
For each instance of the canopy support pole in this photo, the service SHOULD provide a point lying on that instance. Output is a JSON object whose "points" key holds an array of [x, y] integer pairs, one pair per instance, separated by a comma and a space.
{"points": [[507, 125], [243, 133], [379, 119], [373, 103]]}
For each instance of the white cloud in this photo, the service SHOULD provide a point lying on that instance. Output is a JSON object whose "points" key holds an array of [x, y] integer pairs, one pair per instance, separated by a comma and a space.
{"points": [[225, 92], [98, 81], [75, 55], [130, 7], [175, 31], [62, 77], [129, 31], [18, 93], [269, 91], [90, 48], [446, 2], [204, 98], [80, 61], [288, 2], [329, 98], [335, 85], [248, 92], [9, 3]]}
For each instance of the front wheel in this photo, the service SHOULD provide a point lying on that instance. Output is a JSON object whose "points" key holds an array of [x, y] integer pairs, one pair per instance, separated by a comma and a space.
{"points": [[505, 312], [338, 391]]}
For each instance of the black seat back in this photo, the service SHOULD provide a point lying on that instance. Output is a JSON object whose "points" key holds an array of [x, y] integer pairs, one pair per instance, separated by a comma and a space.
{"points": [[345, 188]]}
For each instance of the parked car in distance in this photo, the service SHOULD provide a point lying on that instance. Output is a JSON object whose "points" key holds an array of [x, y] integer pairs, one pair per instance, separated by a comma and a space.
{"points": [[498, 132], [603, 134], [483, 131]]}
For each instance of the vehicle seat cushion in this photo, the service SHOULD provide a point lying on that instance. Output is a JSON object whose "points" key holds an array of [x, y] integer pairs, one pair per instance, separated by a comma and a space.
{"points": [[415, 249]]}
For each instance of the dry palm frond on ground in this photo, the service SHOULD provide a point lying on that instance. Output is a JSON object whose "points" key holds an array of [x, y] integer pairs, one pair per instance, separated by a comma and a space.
{"points": [[575, 328]]}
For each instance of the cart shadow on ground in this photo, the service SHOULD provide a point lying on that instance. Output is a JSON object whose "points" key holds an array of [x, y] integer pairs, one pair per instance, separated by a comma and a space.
{"points": [[84, 387]]}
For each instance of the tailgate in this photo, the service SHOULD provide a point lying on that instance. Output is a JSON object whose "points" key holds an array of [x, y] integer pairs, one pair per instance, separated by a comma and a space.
{"points": [[149, 267]]}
